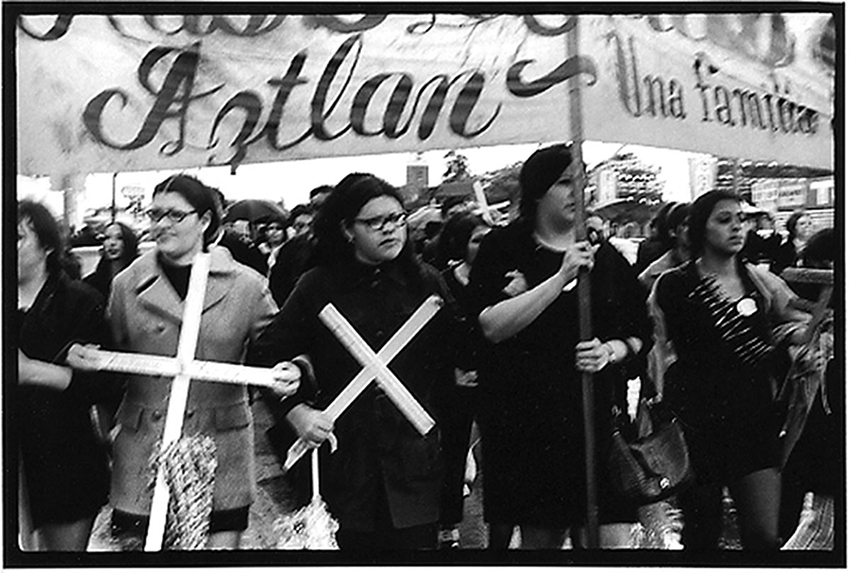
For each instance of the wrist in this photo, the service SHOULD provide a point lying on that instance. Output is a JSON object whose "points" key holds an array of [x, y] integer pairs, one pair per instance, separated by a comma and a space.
{"points": [[610, 353]]}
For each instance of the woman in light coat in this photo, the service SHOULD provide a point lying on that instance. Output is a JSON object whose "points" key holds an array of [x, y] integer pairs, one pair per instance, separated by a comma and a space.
{"points": [[146, 310]]}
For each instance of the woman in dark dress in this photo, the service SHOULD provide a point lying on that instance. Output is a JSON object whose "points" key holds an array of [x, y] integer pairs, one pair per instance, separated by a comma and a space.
{"points": [[530, 379], [65, 469], [383, 482], [120, 248], [718, 313], [455, 402]]}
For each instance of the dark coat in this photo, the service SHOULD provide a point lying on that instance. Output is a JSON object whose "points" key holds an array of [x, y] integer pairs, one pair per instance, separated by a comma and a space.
{"points": [[64, 465], [380, 453]]}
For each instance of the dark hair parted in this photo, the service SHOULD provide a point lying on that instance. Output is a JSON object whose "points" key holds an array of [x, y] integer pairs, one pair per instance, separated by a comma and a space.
{"points": [[539, 172], [46, 230], [454, 236], [130, 240], [701, 210], [341, 208], [201, 197]]}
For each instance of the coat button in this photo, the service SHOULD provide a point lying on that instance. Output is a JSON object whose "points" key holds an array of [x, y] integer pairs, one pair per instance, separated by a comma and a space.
{"points": [[160, 328], [156, 415], [190, 413]]}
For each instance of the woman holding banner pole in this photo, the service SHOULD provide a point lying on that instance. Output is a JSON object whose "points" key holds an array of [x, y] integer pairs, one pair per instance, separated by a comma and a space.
{"points": [[531, 415], [382, 484]]}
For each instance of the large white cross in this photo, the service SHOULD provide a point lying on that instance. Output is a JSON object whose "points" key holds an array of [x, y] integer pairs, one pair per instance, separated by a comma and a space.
{"points": [[374, 368], [184, 368]]}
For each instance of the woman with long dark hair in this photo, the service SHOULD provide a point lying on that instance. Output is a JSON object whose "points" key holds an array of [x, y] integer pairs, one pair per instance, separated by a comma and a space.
{"points": [[718, 313], [383, 482], [120, 248]]}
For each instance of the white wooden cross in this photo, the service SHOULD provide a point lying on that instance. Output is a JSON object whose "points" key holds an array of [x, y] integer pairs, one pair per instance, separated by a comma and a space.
{"points": [[184, 368], [374, 368]]}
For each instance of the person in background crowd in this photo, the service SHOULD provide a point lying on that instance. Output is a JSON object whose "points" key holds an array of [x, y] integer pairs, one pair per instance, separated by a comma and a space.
{"points": [[676, 244], [814, 465], [274, 233], [301, 220], [295, 257], [63, 471], [120, 248], [790, 253], [718, 312], [455, 402], [318, 195], [146, 313], [763, 242], [655, 246], [383, 482], [531, 413]]}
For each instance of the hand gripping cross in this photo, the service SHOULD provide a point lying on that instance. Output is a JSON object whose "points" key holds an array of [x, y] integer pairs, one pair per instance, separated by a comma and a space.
{"points": [[183, 368], [374, 367]]}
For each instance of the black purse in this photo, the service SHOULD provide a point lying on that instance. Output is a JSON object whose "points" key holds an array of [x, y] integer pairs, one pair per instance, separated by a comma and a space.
{"points": [[648, 459]]}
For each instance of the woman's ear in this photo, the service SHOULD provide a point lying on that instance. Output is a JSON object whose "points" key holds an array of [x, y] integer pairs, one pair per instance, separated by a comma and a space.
{"points": [[346, 232]]}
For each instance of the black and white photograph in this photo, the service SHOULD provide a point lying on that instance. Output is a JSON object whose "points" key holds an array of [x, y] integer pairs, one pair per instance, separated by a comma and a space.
{"points": [[374, 284]]}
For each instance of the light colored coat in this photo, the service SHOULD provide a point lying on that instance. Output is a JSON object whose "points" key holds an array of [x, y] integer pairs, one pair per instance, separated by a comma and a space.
{"points": [[146, 314]]}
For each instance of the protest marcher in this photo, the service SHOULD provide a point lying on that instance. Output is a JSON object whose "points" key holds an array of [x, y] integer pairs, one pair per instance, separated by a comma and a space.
{"points": [[718, 313], [120, 248], [455, 402], [146, 312], [382, 484], [523, 284], [65, 472]]}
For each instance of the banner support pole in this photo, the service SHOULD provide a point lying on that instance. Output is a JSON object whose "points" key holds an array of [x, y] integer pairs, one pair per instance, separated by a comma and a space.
{"points": [[585, 329]]}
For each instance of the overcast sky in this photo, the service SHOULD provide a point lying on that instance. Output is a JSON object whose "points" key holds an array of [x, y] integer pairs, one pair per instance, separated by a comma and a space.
{"points": [[293, 180]]}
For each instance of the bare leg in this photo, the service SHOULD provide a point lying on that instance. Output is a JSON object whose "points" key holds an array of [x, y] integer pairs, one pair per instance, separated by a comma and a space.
{"points": [[757, 498], [65, 536], [542, 538], [224, 540]]}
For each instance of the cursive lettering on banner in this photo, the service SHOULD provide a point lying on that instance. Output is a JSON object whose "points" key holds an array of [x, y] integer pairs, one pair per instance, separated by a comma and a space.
{"points": [[172, 101]]}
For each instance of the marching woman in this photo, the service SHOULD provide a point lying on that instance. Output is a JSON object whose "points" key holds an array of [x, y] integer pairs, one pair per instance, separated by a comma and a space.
{"points": [[146, 312], [523, 282], [383, 482], [718, 313], [65, 475], [120, 248]]}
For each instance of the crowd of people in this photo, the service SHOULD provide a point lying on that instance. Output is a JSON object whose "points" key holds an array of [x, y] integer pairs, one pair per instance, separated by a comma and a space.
{"points": [[702, 320]]}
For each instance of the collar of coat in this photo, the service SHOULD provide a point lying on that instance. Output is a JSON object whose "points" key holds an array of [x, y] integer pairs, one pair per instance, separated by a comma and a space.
{"points": [[155, 292]]}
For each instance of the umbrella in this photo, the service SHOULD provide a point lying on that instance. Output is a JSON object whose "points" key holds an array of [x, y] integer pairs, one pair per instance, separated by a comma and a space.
{"points": [[254, 210]]}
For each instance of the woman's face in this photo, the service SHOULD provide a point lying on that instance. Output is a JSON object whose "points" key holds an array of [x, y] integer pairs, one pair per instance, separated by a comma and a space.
{"points": [[474, 242], [32, 258], [558, 204], [179, 231], [113, 243], [803, 228], [275, 234], [724, 230], [379, 231]]}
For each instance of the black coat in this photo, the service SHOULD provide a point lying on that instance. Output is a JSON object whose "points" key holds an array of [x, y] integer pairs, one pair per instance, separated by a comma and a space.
{"points": [[380, 452], [65, 466]]}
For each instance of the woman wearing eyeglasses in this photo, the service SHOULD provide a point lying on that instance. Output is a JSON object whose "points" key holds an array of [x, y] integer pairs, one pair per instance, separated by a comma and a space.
{"points": [[383, 482], [146, 312]]}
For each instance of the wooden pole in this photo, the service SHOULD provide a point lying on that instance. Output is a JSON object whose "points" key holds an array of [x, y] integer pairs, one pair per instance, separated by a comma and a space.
{"points": [[585, 329]]}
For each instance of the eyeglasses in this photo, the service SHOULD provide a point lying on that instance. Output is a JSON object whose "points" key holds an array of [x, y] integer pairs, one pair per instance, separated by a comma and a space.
{"points": [[376, 224], [173, 215]]}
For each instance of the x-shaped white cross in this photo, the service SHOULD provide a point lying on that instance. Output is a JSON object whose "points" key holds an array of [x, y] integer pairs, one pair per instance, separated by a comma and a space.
{"points": [[374, 368]]}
